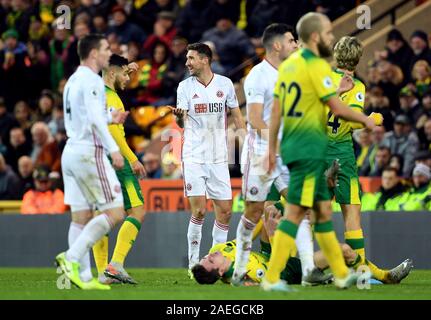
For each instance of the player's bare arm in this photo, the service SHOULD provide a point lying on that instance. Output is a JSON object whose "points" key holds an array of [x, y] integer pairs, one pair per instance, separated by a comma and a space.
{"points": [[238, 119], [346, 84], [119, 117], [256, 120], [274, 126], [339, 109]]}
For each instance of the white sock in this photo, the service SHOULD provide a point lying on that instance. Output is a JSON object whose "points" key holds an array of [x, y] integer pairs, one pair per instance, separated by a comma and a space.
{"points": [[75, 230], [305, 246], [220, 231], [92, 232], [244, 234], [194, 236]]}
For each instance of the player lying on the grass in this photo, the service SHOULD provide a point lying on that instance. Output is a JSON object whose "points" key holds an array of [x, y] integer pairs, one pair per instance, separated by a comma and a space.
{"points": [[219, 262], [115, 77]]}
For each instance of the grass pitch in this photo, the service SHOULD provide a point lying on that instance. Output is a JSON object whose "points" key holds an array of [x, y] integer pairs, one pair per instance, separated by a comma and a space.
{"points": [[173, 284]]}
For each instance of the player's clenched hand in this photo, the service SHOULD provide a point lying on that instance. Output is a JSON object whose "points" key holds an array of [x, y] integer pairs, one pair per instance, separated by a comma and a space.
{"points": [[138, 169], [370, 123], [119, 117], [132, 67], [117, 160], [271, 219], [178, 112]]}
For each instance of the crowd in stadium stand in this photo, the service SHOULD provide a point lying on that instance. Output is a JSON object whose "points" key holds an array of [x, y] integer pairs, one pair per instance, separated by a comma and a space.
{"points": [[37, 57]]}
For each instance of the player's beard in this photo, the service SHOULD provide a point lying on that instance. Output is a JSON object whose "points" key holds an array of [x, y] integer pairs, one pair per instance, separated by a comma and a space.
{"points": [[324, 50], [117, 85]]}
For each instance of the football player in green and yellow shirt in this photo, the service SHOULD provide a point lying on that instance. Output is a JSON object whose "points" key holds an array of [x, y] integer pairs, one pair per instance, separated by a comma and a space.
{"points": [[116, 77], [347, 53], [303, 90]]}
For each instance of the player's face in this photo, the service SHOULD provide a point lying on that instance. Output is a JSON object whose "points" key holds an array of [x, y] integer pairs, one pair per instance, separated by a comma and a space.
{"points": [[195, 62], [288, 45], [326, 39], [212, 261], [121, 78], [103, 54]]}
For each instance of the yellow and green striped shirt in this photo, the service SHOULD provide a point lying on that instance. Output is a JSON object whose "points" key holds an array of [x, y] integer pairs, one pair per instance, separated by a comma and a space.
{"points": [[113, 101], [303, 87], [339, 130]]}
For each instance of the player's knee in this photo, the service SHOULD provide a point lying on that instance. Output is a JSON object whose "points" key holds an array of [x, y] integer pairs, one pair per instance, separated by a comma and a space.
{"points": [[199, 213], [138, 213], [82, 217], [224, 216]]}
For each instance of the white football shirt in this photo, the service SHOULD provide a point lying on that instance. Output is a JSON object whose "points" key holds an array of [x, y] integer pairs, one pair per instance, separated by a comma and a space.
{"points": [[205, 125], [259, 88], [85, 115]]}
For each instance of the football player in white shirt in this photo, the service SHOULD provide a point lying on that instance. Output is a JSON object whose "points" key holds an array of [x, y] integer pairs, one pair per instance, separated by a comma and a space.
{"points": [[279, 42], [203, 101], [89, 179]]}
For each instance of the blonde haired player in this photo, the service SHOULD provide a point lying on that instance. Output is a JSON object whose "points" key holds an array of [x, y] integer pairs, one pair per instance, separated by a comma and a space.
{"points": [[347, 53]]}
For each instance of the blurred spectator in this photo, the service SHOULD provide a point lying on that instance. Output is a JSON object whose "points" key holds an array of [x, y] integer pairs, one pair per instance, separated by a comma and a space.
{"points": [[39, 31], [426, 110], [126, 31], [390, 80], [150, 88], [37, 69], [46, 10], [176, 70], [5, 8], [46, 104], [164, 30], [216, 66], [421, 74], [232, 44], [7, 122], [9, 182], [403, 140], [425, 135], [100, 24], [25, 174], [41, 137], [377, 102], [59, 48], [152, 165], [20, 16], [410, 105], [57, 120], [18, 146], [170, 167], [397, 51], [42, 199], [50, 155], [397, 162], [389, 195], [80, 30], [368, 164], [144, 13], [420, 45], [193, 21], [13, 69], [24, 116], [423, 157], [381, 161], [419, 196], [228, 9]]}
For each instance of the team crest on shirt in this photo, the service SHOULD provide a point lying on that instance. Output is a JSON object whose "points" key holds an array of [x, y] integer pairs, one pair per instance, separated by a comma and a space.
{"points": [[254, 191], [327, 82], [189, 187], [260, 273], [219, 94], [360, 97]]}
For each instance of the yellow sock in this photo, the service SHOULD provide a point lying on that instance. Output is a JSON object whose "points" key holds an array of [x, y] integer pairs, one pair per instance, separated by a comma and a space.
{"points": [[330, 246], [100, 252], [257, 229], [283, 244], [355, 239], [125, 239], [377, 273]]}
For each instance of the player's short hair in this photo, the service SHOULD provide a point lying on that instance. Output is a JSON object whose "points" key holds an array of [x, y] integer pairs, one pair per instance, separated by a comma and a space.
{"points": [[202, 49], [273, 31], [203, 276], [309, 23], [348, 52], [117, 61], [88, 43]]}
